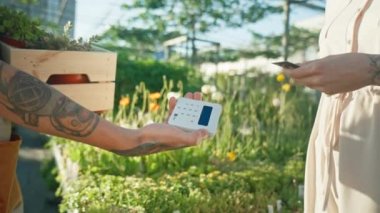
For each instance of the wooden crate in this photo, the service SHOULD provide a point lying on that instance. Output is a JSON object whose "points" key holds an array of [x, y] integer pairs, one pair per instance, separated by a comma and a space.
{"points": [[99, 66]]}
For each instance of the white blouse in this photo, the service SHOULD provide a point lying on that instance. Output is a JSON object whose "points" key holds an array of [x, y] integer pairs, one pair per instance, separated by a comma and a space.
{"points": [[343, 159]]}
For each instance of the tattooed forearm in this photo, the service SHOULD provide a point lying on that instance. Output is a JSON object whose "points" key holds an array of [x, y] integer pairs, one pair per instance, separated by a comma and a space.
{"points": [[145, 149], [27, 96], [73, 119], [31, 100], [375, 65]]}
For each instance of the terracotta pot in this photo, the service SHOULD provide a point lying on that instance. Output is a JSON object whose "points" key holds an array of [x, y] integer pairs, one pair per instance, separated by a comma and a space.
{"points": [[68, 79], [13, 42]]}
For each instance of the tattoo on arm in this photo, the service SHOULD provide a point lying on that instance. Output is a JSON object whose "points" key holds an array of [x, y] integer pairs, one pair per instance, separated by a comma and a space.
{"points": [[32, 99], [27, 96], [73, 119], [375, 65], [145, 149]]}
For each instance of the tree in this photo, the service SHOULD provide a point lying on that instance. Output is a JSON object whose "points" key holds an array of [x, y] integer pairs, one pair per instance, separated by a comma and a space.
{"points": [[272, 46], [311, 4], [137, 42], [191, 17], [287, 44], [151, 22]]}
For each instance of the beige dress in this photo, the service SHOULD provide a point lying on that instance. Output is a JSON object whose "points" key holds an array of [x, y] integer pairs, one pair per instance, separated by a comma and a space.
{"points": [[343, 161]]}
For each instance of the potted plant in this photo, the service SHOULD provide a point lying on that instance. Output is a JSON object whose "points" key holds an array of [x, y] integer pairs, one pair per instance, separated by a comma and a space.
{"points": [[50, 41], [78, 69], [16, 28]]}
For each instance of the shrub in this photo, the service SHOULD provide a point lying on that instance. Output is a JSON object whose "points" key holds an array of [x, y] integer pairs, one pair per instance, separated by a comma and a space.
{"points": [[17, 25], [246, 191], [152, 73], [255, 159]]}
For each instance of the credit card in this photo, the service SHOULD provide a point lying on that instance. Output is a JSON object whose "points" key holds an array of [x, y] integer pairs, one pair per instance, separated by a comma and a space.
{"points": [[286, 65]]}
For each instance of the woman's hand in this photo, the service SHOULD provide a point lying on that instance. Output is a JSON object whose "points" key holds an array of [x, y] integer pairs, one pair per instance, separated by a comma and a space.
{"points": [[338, 73], [161, 137]]}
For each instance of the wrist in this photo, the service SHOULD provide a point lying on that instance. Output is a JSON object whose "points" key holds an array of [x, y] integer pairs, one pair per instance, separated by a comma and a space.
{"points": [[141, 136], [137, 144], [130, 138]]}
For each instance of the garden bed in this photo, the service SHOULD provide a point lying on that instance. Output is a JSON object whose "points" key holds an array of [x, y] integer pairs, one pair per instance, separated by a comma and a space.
{"points": [[94, 188]]}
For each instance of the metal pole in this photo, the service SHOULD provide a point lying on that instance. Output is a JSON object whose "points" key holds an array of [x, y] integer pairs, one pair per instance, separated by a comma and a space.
{"points": [[285, 38]]}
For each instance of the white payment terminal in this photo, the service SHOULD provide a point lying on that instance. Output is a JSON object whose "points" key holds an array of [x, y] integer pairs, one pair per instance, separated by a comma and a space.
{"points": [[190, 114]]}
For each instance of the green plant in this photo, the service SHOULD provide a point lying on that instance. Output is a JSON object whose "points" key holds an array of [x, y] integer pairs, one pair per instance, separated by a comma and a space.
{"points": [[153, 74], [255, 159], [51, 41], [49, 172], [243, 191], [252, 125], [17, 25]]}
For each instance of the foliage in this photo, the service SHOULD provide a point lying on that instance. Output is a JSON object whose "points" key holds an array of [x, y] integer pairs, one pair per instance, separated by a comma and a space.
{"points": [[200, 16], [167, 19], [256, 157], [244, 191], [49, 172], [17, 25], [271, 46], [29, 1], [153, 74], [225, 54], [51, 41], [261, 120], [268, 46], [318, 5], [137, 43]]}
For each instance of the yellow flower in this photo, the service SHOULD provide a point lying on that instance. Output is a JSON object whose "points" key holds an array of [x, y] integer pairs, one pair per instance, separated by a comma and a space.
{"points": [[280, 77], [286, 87], [231, 156], [153, 107], [154, 96], [124, 101]]}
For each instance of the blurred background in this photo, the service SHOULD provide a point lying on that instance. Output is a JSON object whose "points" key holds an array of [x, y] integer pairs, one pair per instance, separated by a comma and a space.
{"points": [[224, 48]]}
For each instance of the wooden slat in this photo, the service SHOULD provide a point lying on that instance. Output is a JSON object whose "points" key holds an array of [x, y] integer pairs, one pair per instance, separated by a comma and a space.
{"points": [[98, 66], [93, 96]]}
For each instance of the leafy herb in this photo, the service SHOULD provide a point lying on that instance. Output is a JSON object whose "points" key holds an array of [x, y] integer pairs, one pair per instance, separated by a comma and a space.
{"points": [[17, 25]]}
